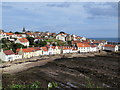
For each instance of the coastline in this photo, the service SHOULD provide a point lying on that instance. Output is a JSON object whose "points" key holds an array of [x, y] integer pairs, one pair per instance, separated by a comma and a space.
{"points": [[15, 67], [69, 71]]}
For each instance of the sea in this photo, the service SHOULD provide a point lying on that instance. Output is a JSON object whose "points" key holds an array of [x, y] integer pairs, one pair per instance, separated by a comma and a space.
{"points": [[108, 39]]}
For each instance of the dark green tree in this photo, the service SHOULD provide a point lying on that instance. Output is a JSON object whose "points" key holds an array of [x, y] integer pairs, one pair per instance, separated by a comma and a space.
{"points": [[10, 32], [15, 46], [42, 43], [54, 44], [4, 40], [31, 40], [69, 43], [17, 32], [62, 32]]}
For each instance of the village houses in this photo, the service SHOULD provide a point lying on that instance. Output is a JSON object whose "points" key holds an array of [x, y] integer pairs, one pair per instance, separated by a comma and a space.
{"points": [[78, 44], [54, 50], [29, 52], [84, 47], [50, 50], [22, 41], [110, 47], [9, 55], [61, 37]]}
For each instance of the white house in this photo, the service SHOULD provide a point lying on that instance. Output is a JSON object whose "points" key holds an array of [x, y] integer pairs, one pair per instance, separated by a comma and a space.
{"points": [[98, 44], [54, 50], [26, 53], [74, 50], [29, 52], [83, 38], [93, 48], [45, 51], [38, 51], [9, 55], [30, 35], [61, 37], [83, 47], [110, 47], [66, 49], [37, 39], [23, 41]]}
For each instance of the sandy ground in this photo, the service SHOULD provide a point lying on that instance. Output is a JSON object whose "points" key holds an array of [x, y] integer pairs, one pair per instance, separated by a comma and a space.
{"points": [[24, 66], [18, 67]]}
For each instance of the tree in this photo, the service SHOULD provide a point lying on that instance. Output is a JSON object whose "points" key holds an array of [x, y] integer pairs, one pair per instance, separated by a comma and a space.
{"points": [[10, 32], [54, 44], [31, 40], [4, 40], [5, 43], [4, 46], [42, 43], [69, 42], [17, 33], [15, 46], [28, 31], [62, 32]]}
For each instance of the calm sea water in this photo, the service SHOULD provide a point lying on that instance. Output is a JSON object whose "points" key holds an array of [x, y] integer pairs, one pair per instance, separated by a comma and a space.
{"points": [[108, 39]]}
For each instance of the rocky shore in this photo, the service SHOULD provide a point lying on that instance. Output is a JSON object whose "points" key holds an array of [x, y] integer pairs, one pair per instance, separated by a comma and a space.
{"points": [[69, 71], [23, 64]]}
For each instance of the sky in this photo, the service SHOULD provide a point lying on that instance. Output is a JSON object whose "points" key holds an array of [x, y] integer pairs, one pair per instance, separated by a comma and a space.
{"points": [[87, 19]]}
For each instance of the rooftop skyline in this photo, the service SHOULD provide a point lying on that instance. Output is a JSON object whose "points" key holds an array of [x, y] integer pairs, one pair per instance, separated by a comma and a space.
{"points": [[80, 18]]}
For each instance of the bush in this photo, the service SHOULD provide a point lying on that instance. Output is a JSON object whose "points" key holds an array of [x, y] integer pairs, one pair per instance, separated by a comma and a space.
{"points": [[34, 85], [20, 86]]}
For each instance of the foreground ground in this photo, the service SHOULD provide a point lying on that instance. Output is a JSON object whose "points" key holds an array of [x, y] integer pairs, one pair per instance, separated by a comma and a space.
{"points": [[80, 72]]}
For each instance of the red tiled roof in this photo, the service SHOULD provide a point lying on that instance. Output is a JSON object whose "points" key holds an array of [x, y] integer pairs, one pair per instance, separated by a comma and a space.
{"points": [[8, 52], [65, 47], [93, 45], [44, 48], [18, 35], [77, 41], [86, 42], [109, 45], [96, 42], [9, 34], [29, 33], [53, 47], [83, 45], [23, 40], [26, 50], [37, 48]]}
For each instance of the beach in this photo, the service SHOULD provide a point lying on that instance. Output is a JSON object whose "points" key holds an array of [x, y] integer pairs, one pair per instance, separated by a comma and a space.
{"points": [[70, 71], [21, 65]]}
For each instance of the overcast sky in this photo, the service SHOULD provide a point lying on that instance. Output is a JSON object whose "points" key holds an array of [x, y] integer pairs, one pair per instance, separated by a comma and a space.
{"points": [[81, 18]]}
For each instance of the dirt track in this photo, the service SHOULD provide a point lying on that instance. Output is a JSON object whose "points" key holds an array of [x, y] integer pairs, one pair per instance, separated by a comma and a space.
{"points": [[102, 71]]}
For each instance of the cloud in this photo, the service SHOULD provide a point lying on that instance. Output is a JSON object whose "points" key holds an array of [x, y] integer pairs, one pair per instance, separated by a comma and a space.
{"points": [[76, 18], [102, 9], [6, 7], [60, 5]]}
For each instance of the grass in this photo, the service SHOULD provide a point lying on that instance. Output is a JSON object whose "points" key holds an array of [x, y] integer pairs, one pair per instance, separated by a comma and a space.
{"points": [[34, 85], [55, 40]]}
